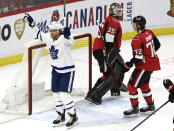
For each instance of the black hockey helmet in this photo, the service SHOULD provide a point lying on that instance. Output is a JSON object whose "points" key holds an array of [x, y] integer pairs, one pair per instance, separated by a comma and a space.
{"points": [[140, 20]]}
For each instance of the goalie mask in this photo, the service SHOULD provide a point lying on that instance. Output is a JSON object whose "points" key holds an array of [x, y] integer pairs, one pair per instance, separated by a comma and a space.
{"points": [[116, 9]]}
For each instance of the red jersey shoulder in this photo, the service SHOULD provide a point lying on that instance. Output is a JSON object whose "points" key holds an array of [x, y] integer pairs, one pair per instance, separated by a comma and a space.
{"points": [[149, 31], [144, 42], [112, 20], [146, 36], [143, 38]]}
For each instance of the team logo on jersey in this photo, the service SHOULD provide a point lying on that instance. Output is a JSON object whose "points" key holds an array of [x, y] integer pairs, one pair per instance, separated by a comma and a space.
{"points": [[171, 11], [19, 27], [54, 53], [55, 16]]}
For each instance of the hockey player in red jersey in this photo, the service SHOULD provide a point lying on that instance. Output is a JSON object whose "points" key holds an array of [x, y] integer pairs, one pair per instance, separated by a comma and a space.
{"points": [[144, 47], [168, 84], [106, 51]]}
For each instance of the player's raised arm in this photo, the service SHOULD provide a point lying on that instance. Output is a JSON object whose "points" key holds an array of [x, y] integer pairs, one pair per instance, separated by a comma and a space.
{"points": [[32, 23], [69, 40], [30, 20]]}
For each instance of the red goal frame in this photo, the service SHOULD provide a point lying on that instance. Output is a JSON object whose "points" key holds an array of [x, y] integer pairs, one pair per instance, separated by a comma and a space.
{"points": [[30, 49]]}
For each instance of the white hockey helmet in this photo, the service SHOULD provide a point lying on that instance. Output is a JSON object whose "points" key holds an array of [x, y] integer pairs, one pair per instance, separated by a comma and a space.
{"points": [[55, 26]]}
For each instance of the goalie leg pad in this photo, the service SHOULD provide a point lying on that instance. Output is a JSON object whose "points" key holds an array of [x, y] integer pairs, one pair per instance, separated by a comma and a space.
{"points": [[99, 56], [100, 88], [118, 76], [97, 84], [113, 81], [120, 60], [112, 55], [103, 88]]}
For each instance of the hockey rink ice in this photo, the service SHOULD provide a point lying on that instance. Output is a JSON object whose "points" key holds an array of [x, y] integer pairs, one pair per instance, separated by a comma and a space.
{"points": [[109, 115]]}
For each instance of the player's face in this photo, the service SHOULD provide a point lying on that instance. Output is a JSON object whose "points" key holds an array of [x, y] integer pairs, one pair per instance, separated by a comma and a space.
{"points": [[134, 25], [54, 33]]}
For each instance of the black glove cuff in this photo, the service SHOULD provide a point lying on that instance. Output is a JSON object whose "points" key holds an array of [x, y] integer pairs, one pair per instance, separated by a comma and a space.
{"points": [[171, 98], [129, 64]]}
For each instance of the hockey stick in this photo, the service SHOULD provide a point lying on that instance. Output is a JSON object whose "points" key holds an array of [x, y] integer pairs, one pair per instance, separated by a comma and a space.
{"points": [[64, 8], [149, 116], [64, 13]]}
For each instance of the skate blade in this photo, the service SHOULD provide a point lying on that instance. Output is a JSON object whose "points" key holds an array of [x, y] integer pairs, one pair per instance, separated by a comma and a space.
{"points": [[115, 94], [93, 102], [146, 113], [59, 125], [131, 116], [75, 124], [86, 98]]}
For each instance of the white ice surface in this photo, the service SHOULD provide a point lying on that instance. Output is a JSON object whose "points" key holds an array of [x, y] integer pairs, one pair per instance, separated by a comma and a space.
{"points": [[108, 116]]}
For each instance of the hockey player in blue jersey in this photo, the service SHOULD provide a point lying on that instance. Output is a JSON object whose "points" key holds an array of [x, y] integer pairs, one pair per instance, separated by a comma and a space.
{"points": [[58, 41]]}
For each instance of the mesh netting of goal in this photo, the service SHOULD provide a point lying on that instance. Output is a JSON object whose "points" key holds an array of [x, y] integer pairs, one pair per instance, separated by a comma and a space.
{"points": [[30, 91]]}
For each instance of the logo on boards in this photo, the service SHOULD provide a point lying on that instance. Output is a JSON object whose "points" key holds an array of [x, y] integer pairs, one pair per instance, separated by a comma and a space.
{"points": [[19, 27], [171, 11]]}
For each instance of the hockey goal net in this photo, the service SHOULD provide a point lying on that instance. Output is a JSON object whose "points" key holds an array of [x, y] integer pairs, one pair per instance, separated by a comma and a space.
{"points": [[30, 91]]}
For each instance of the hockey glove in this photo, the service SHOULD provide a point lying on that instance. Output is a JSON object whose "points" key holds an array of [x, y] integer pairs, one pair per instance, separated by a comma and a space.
{"points": [[167, 83], [66, 32], [127, 66], [30, 20]]}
